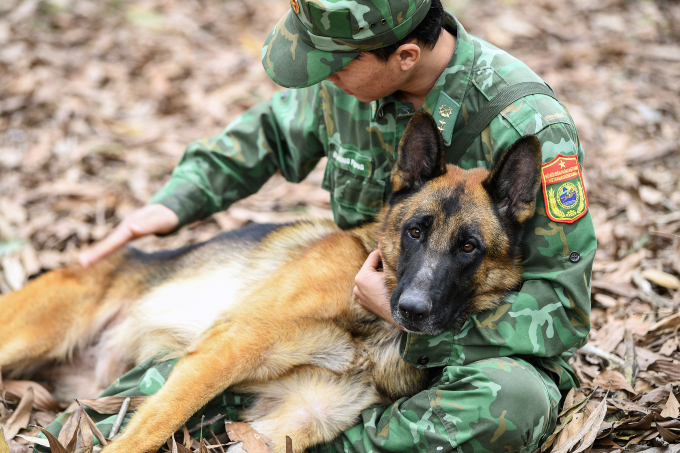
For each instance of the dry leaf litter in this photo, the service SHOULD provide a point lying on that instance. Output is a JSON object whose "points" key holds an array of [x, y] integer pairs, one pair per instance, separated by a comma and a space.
{"points": [[98, 100]]}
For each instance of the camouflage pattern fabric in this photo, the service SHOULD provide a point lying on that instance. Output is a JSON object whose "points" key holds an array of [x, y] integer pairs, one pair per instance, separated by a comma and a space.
{"points": [[317, 38], [536, 327], [145, 380], [499, 404]]}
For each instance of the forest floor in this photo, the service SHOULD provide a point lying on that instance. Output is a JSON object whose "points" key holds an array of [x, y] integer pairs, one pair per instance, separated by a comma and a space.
{"points": [[99, 98]]}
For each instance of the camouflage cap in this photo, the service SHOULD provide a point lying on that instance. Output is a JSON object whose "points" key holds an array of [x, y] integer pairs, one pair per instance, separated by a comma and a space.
{"points": [[317, 38]]}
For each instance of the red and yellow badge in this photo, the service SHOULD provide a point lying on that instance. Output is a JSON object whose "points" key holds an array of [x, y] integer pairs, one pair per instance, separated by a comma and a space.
{"points": [[296, 6], [563, 191]]}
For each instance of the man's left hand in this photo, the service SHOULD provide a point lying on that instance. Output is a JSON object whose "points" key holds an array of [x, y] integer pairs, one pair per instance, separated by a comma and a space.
{"points": [[370, 289]]}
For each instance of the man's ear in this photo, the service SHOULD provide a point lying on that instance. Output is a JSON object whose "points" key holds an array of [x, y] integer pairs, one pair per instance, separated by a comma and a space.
{"points": [[515, 180], [421, 154], [408, 55]]}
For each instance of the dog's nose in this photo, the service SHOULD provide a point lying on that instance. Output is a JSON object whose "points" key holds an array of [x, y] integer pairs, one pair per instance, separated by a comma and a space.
{"points": [[414, 307]]}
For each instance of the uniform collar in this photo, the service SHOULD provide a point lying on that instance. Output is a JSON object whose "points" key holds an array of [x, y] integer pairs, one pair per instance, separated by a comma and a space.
{"points": [[445, 99]]}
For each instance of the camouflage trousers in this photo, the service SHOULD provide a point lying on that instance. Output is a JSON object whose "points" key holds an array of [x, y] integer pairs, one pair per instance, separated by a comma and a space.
{"points": [[494, 405]]}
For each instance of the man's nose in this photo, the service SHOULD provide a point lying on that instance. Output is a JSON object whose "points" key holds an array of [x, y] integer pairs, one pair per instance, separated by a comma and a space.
{"points": [[334, 78]]}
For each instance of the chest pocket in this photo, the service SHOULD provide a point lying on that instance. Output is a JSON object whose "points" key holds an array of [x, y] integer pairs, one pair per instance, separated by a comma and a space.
{"points": [[355, 195]]}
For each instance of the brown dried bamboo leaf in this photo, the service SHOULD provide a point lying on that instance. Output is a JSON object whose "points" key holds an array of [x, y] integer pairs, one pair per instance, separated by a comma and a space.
{"points": [[21, 416], [43, 399], [591, 434], [70, 427], [112, 404], [666, 323], [187, 436], [55, 445], [672, 409], [570, 398], [182, 449], [4, 448], [253, 441], [574, 424], [617, 380], [588, 430], [202, 447], [95, 431], [661, 278], [85, 434], [34, 440], [71, 447], [655, 396], [566, 423], [667, 434], [668, 367]]}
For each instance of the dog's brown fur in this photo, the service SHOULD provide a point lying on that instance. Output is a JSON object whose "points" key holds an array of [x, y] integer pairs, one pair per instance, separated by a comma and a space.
{"points": [[277, 316]]}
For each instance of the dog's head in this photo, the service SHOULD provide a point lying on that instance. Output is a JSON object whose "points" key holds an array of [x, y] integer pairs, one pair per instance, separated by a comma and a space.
{"points": [[450, 237]]}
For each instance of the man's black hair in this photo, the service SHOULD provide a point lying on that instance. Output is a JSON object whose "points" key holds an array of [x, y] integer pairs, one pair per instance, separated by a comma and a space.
{"points": [[426, 33]]}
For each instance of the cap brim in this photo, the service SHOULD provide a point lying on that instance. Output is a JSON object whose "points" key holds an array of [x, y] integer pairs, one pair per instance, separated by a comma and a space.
{"points": [[292, 63]]}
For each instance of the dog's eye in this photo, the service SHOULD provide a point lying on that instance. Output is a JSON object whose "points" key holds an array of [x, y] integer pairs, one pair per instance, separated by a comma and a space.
{"points": [[468, 247], [414, 233]]}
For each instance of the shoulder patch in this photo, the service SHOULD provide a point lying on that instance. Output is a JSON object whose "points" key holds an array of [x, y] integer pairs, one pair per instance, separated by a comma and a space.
{"points": [[563, 192]]}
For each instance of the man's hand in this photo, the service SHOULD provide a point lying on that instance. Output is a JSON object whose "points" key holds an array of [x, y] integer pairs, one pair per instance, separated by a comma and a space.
{"points": [[370, 288], [151, 219]]}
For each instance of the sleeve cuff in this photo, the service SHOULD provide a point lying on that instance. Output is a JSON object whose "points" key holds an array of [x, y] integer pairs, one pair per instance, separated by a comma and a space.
{"points": [[184, 199]]}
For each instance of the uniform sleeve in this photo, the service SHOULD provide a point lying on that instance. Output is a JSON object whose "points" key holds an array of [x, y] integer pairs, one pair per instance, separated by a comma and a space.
{"points": [[551, 312], [283, 134]]}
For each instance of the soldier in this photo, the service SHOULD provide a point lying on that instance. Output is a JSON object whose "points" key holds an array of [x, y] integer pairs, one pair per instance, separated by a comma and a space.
{"points": [[360, 69]]}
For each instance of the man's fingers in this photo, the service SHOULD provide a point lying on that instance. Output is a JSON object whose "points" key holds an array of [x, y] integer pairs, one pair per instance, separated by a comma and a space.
{"points": [[153, 218], [118, 238], [372, 262]]}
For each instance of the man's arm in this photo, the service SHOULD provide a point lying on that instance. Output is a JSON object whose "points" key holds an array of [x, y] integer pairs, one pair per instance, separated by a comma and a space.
{"points": [[215, 172]]}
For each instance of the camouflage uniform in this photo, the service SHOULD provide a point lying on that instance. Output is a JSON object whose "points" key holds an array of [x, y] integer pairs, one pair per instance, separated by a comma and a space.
{"points": [[503, 371]]}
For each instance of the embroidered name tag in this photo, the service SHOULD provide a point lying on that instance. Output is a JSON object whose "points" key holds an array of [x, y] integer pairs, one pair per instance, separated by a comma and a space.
{"points": [[563, 191], [353, 162]]}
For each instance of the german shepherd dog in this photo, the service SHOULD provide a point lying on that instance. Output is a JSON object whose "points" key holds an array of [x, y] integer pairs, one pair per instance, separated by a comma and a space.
{"points": [[269, 309]]}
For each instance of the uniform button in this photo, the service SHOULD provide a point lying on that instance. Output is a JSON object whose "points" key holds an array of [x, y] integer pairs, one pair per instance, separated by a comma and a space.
{"points": [[423, 360], [574, 257]]}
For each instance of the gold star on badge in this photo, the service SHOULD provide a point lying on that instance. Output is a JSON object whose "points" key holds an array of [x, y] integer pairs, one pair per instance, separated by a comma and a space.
{"points": [[441, 125], [562, 164], [445, 111]]}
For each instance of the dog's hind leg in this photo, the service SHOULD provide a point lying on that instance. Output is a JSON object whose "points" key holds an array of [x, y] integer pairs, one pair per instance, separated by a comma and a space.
{"points": [[311, 405], [56, 314]]}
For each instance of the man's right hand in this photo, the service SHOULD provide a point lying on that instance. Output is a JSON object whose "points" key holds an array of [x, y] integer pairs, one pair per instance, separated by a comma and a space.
{"points": [[151, 219]]}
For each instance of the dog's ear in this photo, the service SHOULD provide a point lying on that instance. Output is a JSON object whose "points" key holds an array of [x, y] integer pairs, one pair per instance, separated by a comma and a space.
{"points": [[515, 180], [421, 154]]}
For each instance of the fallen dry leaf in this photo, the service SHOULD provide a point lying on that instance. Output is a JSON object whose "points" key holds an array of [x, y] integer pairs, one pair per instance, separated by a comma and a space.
{"points": [[570, 429], [112, 404], [70, 427], [586, 433], [661, 278], [4, 448], [672, 408], [615, 378], [595, 420], [55, 445], [95, 431], [253, 441], [667, 434], [43, 399], [20, 417]]}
